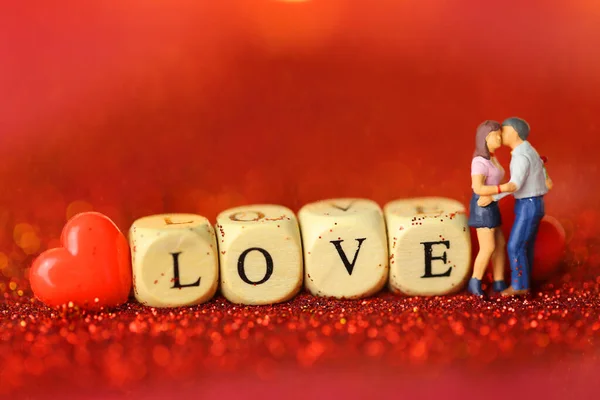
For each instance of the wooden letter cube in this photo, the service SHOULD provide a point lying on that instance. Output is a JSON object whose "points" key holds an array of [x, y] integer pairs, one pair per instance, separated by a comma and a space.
{"points": [[345, 248], [174, 259], [429, 245], [260, 253]]}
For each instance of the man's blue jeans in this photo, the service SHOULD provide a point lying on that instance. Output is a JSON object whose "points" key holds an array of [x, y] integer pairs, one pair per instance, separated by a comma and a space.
{"points": [[528, 214]]}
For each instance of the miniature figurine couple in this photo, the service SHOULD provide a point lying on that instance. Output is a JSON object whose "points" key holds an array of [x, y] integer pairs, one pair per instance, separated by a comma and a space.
{"points": [[529, 183]]}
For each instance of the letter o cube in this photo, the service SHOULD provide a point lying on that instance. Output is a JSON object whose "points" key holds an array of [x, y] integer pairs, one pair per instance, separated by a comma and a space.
{"points": [[429, 246], [174, 260], [260, 252]]}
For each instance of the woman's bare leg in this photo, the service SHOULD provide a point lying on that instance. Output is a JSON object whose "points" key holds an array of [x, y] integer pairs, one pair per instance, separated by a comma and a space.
{"points": [[499, 256], [487, 245]]}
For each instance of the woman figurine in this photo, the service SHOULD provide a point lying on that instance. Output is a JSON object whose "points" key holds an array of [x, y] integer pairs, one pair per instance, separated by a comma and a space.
{"points": [[486, 175]]}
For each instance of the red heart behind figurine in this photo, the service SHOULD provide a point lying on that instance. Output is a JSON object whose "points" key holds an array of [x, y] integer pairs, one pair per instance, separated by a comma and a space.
{"points": [[92, 269], [549, 249]]}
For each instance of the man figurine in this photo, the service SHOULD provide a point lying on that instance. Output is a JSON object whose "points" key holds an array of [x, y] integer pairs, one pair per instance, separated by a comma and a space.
{"points": [[528, 174]]}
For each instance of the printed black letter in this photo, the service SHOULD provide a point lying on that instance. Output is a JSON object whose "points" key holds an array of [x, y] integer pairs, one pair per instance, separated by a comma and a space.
{"points": [[349, 266], [429, 258], [176, 283], [242, 272]]}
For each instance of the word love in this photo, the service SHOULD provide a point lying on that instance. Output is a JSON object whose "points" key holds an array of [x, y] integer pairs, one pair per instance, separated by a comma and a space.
{"points": [[265, 254]]}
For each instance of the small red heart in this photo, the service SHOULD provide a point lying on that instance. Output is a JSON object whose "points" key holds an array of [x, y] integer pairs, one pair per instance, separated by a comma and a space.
{"points": [[91, 269]]}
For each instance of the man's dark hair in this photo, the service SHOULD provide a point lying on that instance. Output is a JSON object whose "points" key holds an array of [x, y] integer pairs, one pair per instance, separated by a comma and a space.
{"points": [[519, 125]]}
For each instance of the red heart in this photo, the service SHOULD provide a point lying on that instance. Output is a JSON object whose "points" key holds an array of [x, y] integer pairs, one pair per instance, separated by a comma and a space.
{"points": [[91, 269], [549, 248]]}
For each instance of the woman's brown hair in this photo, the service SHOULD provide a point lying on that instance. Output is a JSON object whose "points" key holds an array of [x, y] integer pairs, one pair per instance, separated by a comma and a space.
{"points": [[483, 130]]}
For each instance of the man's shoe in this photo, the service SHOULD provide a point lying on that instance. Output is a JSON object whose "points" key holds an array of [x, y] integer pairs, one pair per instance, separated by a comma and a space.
{"points": [[513, 292]]}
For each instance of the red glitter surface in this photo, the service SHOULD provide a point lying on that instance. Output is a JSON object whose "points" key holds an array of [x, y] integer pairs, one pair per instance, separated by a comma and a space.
{"points": [[134, 347], [138, 108]]}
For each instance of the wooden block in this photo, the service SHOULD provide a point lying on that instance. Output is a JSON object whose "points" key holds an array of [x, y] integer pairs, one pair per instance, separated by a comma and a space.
{"points": [[345, 248], [429, 246], [174, 260], [260, 252]]}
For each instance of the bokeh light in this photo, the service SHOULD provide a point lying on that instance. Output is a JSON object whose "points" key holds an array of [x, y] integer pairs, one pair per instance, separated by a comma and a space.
{"points": [[3, 261], [76, 207], [285, 26]]}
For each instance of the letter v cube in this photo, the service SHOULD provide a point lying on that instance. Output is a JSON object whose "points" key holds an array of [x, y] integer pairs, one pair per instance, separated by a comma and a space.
{"points": [[345, 248]]}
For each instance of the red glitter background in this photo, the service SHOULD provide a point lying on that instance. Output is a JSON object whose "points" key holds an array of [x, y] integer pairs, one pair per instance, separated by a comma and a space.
{"points": [[133, 108]]}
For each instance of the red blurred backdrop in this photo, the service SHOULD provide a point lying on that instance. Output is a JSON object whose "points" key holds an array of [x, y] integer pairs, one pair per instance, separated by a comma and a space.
{"points": [[142, 107], [135, 107]]}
